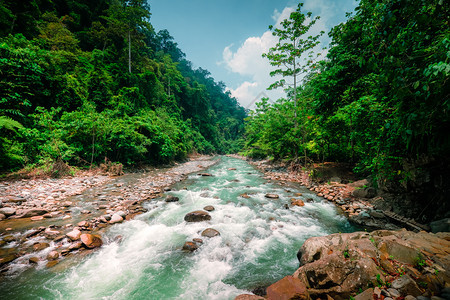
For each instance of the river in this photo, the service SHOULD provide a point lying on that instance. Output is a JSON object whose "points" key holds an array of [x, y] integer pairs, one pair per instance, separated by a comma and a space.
{"points": [[142, 258]]}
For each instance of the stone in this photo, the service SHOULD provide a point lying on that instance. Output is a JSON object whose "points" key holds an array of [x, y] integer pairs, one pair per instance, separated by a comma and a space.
{"points": [[34, 260], [52, 255], [204, 174], [75, 246], [37, 218], [91, 240], [51, 264], [297, 202], [410, 297], [74, 235], [272, 196], [367, 192], [209, 232], [209, 208], [190, 246], [197, 216], [197, 240], [8, 211], [440, 225], [2, 217], [287, 288], [121, 213], [393, 293], [406, 286], [366, 295], [40, 246], [171, 198], [33, 212], [116, 219]]}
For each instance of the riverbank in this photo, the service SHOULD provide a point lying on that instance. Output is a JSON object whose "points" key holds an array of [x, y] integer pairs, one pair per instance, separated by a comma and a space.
{"points": [[359, 202], [43, 221]]}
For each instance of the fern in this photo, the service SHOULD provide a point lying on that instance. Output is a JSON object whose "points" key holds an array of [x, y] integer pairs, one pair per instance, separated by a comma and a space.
{"points": [[9, 123]]}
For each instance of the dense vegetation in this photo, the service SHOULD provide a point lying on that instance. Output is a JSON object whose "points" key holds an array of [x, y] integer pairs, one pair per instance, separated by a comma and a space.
{"points": [[88, 80], [380, 99]]}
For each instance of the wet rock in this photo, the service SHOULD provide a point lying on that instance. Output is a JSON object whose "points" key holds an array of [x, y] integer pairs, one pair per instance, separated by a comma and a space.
{"points": [[7, 211], [40, 246], [197, 216], [288, 288], [198, 241], [52, 263], [7, 258], [75, 246], [167, 189], [74, 235], [205, 174], [121, 213], [245, 195], [209, 208], [2, 217], [9, 238], [37, 218], [209, 232], [272, 196], [33, 260], [52, 255], [171, 198], [83, 224], [116, 218], [85, 212], [231, 169], [33, 212], [297, 202], [190, 246], [91, 240]]}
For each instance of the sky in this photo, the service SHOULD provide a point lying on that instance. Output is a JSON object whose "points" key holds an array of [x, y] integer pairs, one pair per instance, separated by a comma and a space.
{"points": [[228, 37]]}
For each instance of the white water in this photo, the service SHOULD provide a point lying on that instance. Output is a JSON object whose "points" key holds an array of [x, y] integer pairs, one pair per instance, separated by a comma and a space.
{"points": [[258, 244]]}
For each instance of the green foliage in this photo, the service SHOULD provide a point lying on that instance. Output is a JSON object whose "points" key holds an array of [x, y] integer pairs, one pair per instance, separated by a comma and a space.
{"points": [[381, 97], [91, 81]]}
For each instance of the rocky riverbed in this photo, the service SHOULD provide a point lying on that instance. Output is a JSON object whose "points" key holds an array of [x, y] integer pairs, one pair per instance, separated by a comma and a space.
{"points": [[43, 221], [358, 201]]}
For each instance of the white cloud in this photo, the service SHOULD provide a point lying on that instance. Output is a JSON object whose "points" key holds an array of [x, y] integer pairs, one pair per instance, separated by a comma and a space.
{"points": [[247, 61]]}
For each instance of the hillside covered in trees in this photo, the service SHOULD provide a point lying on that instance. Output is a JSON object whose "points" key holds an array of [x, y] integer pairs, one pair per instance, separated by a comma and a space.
{"points": [[84, 81], [380, 100]]}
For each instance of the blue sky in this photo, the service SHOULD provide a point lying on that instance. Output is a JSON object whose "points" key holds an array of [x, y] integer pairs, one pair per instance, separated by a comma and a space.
{"points": [[228, 37]]}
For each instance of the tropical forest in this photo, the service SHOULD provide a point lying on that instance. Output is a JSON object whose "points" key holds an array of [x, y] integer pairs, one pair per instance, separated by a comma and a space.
{"points": [[129, 172]]}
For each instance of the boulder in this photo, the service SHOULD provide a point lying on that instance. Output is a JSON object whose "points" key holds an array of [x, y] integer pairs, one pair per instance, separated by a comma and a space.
{"points": [[209, 232], [115, 218], [171, 198], [272, 196], [197, 216], [74, 235], [53, 255], [297, 202], [7, 211], [209, 208], [288, 288], [367, 192], [440, 225], [91, 240], [40, 246], [190, 246], [366, 295], [33, 260], [33, 212], [406, 286]]}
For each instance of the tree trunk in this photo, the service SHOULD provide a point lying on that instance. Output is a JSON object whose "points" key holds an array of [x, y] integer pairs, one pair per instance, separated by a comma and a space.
{"points": [[129, 51]]}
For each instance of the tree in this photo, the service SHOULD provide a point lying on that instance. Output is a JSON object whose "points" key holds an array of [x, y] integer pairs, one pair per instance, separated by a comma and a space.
{"points": [[287, 54]]}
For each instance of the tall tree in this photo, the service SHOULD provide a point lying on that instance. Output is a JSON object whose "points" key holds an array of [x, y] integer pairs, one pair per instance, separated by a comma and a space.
{"points": [[288, 53]]}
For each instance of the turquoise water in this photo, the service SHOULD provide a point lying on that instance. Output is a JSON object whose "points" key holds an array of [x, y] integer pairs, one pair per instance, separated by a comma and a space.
{"points": [[258, 242]]}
